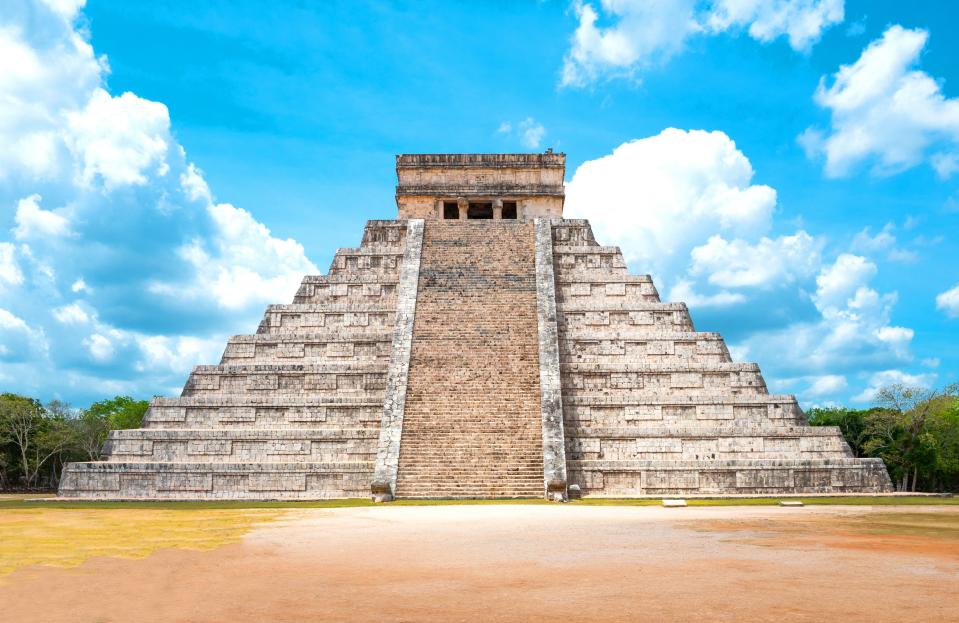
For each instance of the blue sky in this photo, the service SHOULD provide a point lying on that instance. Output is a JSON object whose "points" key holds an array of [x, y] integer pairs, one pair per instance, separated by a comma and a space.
{"points": [[789, 168]]}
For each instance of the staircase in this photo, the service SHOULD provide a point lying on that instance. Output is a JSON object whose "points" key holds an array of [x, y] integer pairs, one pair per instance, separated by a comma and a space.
{"points": [[472, 424]]}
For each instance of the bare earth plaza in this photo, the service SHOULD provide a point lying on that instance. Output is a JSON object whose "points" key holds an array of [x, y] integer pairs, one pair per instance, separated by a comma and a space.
{"points": [[461, 311]]}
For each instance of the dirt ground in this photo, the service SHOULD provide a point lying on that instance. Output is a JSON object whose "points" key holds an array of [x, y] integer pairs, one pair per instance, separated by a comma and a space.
{"points": [[526, 563]]}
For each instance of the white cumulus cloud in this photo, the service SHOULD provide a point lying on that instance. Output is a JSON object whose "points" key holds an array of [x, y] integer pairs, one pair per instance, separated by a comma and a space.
{"points": [[801, 21], [10, 273], [121, 140], [529, 132], [885, 112], [71, 314], [532, 133], [131, 212], [886, 378], [33, 221], [737, 263], [948, 302], [825, 386], [623, 37], [100, 347], [683, 206], [659, 197]]}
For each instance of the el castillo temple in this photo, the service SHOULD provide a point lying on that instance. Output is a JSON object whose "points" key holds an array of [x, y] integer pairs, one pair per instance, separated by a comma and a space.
{"points": [[478, 346]]}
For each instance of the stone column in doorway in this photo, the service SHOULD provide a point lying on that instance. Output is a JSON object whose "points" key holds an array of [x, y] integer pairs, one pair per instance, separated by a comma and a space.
{"points": [[464, 207], [497, 209]]}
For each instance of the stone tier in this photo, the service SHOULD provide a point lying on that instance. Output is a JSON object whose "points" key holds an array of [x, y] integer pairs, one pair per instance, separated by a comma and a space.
{"points": [[345, 376], [573, 233], [216, 481], [646, 315], [300, 317], [269, 411], [638, 345], [706, 443], [376, 260], [677, 376], [600, 478], [306, 445], [598, 408], [601, 288], [580, 260], [362, 288], [382, 234], [355, 343]]}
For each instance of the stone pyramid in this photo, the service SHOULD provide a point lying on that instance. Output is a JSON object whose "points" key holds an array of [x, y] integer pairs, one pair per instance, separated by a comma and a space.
{"points": [[479, 346]]}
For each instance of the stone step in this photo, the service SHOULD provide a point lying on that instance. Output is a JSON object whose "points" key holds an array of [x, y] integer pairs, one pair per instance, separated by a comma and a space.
{"points": [[703, 431], [753, 476], [664, 367], [326, 408], [633, 333], [216, 481], [602, 399], [472, 417]]}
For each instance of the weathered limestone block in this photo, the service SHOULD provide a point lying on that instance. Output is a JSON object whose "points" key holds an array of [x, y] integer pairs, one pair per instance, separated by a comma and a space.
{"points": [[701, 449], [776, 479], [277, 482], [207, 446], [672, 480], [184, 481]]}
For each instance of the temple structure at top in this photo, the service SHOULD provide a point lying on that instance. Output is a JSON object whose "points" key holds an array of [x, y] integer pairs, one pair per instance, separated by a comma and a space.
{"points": [[480, 345], [480, 186]]}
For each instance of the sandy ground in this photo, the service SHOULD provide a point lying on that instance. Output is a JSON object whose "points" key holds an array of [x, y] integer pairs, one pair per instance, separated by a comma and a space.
{"points": [[528, 563]]}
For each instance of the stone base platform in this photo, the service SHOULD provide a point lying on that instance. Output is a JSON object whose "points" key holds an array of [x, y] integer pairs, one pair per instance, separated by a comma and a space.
{"points": [[598, 478], [216, 481]]}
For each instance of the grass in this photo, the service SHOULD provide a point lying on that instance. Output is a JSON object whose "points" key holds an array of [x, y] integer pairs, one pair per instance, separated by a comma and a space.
{"points": [[773, 501], [33, 501], [37, 536], [48, 503]]}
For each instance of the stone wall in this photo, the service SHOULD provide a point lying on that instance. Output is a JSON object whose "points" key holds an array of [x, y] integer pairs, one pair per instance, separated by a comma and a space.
{"points": [[653, 407], [291, 412]]}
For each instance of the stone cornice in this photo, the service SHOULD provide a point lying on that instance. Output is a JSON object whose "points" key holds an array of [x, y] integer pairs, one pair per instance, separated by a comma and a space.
{"points": [[510, 161]]}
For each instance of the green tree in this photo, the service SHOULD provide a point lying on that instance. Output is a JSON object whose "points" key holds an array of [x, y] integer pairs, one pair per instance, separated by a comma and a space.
{"points": [[36, 436], [901, 431], [91, 432], [944, 428], [121, 412], [851, 422]]}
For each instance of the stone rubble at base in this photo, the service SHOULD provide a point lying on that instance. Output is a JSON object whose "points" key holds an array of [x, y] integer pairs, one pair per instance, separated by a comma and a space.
{"points": [[485, 358]]}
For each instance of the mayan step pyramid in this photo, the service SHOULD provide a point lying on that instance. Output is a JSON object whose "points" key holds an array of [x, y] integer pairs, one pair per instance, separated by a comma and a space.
{"points": [[479, 346]]}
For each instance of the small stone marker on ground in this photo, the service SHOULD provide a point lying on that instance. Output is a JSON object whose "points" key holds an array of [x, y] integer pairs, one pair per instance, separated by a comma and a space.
{"points": [[674, 503], [791, 503]]}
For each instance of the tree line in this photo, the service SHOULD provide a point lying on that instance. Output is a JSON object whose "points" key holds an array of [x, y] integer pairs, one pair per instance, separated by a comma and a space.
{"points": [[36, 439], [914, 430]]}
